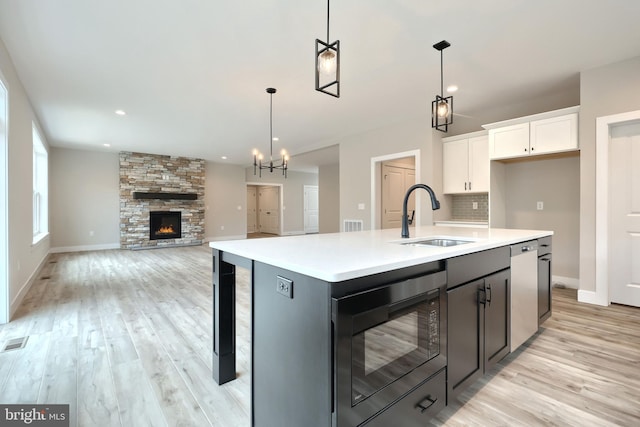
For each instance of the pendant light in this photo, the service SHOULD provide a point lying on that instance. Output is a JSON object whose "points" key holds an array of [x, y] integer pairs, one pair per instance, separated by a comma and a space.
{"points": [[441, 107], [283, 162], [328, 64]]}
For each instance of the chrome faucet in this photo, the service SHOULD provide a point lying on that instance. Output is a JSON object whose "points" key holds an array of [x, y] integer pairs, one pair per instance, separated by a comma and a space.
{"points": [[435, 204]]}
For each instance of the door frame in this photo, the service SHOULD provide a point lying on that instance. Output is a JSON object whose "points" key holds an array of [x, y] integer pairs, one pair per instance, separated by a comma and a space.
{"points": [[5, 309], [280, 201], [376, 185], [603, 128]]}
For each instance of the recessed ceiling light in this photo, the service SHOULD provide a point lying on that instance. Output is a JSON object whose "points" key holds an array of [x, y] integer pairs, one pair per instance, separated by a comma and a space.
{"points": [[452, 88], [275, 138], [107, 145], [224, 157], [120, 112]]}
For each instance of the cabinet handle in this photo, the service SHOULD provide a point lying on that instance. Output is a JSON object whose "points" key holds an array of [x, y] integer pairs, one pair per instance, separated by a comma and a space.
{"points": [[533, 148], [465, 186], [488, 293], [469, 185], [426, 403], [482, 295]]}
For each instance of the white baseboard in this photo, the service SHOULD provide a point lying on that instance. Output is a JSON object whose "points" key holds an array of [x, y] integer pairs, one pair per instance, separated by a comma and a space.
{"points": [[568, 282], [218, 238], [25, 288], [293, 233], [591, 297], [83, 248]]}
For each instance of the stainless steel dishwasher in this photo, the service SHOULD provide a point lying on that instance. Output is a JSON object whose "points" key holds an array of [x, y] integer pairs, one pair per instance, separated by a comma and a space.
{"points": [[524, 292]]}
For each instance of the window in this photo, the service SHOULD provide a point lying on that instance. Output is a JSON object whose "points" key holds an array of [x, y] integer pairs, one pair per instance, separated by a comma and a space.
{"points": [[40, 188]]}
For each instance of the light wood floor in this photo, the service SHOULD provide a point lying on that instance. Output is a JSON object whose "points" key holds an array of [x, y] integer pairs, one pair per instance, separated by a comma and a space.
{"points": [[124, 337]]}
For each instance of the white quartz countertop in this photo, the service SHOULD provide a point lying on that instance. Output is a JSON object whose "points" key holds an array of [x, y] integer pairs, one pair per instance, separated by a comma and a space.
{"points": [[335, 257]]}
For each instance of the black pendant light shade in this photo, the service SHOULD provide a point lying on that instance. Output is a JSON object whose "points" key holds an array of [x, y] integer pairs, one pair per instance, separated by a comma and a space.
{"points": [[442, 107], [282, 163], [328, 64]]}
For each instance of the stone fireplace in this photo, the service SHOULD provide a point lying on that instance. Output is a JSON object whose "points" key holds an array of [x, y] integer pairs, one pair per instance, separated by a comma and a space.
{"points": [[161, 201]]}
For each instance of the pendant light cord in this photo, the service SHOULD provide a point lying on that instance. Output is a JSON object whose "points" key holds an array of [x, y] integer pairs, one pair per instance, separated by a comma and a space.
{"points": [[441, 76], [328, 40], [271, 127]]}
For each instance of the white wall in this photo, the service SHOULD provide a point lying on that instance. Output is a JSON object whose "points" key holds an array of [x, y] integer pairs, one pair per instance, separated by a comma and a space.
{"points": [[329, 198], [84, 200], [556, 183], [357, 151], [604, 91], [25, 259], [224, 192]]}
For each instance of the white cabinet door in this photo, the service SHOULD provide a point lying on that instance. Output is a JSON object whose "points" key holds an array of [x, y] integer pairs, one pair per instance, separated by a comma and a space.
{"points": [[509, 141], [479, 164], [554, 135], [455, 167]]}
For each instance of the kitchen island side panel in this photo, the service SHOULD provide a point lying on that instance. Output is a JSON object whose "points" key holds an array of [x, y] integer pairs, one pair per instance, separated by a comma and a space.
{"points": [[292, 354]]}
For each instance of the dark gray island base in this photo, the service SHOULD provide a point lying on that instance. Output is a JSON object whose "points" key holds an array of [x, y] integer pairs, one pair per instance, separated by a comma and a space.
{"points": [[389, 348]]}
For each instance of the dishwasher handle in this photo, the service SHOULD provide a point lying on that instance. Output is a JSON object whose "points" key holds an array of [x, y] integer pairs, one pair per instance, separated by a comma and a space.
{"points": [[524, 247]]}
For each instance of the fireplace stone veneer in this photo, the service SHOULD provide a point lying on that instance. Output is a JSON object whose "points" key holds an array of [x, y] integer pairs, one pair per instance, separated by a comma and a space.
{"points": [[165, 175]]}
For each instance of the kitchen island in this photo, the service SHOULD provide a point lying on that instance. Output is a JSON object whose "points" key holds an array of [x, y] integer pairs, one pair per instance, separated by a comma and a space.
{"points": [[315, 319]]}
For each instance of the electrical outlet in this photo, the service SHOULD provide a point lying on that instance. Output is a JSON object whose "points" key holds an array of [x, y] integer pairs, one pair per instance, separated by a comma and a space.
{"points": [[474, 205], [540, 206], [360, 206], [284, 286]]}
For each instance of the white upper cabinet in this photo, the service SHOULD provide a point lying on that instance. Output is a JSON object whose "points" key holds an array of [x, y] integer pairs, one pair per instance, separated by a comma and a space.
{"points": [[552, 132], [509, 141], [465, 164]]}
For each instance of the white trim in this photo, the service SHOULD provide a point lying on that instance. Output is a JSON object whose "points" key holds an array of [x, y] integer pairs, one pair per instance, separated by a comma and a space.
{"points": [[294, 233], [15, 304], [222, 238], [280, 196], [5, 307], [375, 182], [84, 248], [603, 125]]}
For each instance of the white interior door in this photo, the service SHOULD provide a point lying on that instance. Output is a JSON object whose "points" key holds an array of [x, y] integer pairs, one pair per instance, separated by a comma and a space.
{"points": [[252, 209], [269, 209], [624, 214], [4, 224], [311, 209]]}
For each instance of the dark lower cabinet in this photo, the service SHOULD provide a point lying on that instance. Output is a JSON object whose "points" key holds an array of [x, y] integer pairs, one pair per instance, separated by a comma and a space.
{"points": [[544, 288], [417, 407], [477, 329], [544, 279]]}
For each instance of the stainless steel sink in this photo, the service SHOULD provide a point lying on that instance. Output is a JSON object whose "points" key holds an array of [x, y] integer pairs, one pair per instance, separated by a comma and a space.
{"points": [[436, 242]]}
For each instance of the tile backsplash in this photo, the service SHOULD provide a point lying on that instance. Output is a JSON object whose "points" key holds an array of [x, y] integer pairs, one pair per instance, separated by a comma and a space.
{"points": [[462, 207]]}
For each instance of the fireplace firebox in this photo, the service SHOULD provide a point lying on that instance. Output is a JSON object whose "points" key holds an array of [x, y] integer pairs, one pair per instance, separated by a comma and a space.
{"points": [[165, 225]]}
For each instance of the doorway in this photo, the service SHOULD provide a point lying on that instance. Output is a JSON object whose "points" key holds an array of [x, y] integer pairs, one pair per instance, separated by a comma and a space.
{"points": [[377, 188], [624, 221], [264, 210], [311, 209], [4, 205], [613, 130], [397, 176]]}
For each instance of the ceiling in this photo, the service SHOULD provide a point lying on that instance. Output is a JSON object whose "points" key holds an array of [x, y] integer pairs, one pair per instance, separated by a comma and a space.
{"points": [[191, 74]]}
